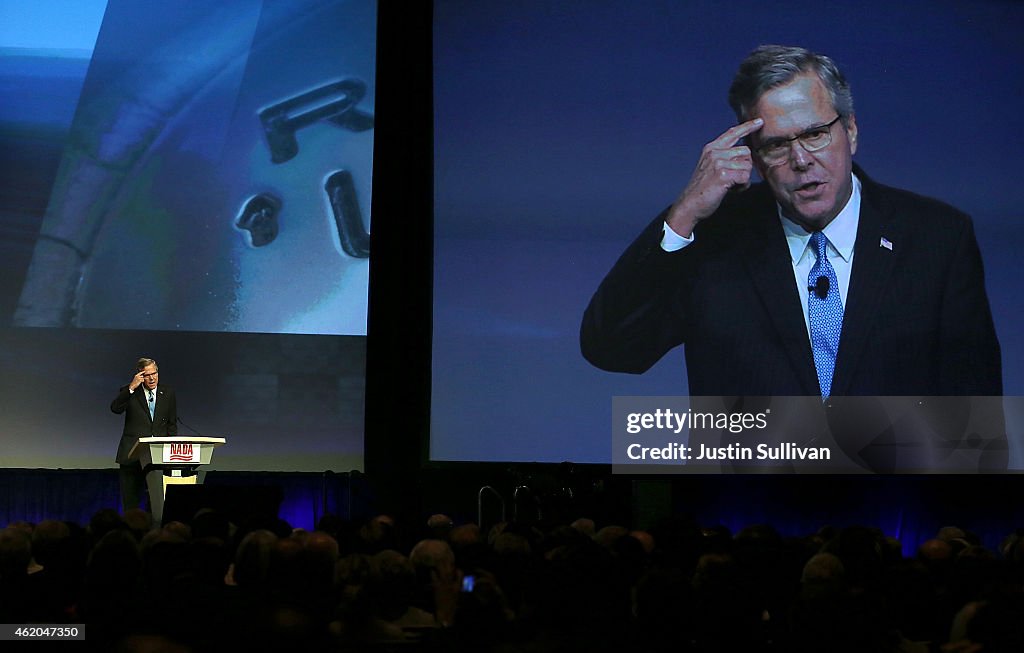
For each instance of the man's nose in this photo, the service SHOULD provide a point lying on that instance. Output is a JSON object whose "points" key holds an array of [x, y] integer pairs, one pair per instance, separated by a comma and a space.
{"points": [[799, 158]]}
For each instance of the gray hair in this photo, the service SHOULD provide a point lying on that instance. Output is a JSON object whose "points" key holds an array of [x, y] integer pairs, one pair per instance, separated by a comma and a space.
{"points": [[143, 363], [771, 66]]}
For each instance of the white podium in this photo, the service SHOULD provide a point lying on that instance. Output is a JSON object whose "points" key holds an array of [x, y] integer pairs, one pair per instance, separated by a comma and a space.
{"points": [[171, 460]]}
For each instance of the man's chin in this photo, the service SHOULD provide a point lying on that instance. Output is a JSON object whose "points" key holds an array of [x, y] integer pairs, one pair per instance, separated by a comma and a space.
{"points": [[813, 216]]}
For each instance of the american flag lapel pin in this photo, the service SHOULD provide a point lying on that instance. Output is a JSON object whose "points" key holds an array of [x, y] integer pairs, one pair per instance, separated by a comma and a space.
{"points": [[886, 243]]}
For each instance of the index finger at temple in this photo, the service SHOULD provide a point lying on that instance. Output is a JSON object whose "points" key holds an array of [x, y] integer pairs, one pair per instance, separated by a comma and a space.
{"points": [[733, 135]]}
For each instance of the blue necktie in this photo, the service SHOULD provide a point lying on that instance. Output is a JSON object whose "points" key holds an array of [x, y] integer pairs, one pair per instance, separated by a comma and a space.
{"points": [[152, 402], [826, 314]]}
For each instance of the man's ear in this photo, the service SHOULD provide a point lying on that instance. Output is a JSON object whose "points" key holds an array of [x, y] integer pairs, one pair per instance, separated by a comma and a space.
{"points": [[851, 133]]}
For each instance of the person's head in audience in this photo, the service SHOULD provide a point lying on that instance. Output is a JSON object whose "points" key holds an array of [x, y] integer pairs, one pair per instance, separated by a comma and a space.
{"points": [[822, 576], [181, 529], [350, 575], [322, 545], [49, 542], [585, 526], [823, 567], [139, 522], [606, 536], [391, 585], [22, 525], [430, 557], [104, 521], [319, 556], [378, 534], [432, 562], [251, 570], [439, 526], [165, 560], [465, 535], [287, 564], [114, 567], [645, 539], [935, 552], [15, 553]]}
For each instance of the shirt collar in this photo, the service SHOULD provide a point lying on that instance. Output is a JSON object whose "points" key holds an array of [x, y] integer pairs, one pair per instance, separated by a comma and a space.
{"points": [[841, 232]]}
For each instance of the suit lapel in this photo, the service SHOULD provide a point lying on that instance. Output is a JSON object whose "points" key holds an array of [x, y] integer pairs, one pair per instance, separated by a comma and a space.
{"points": [[771, 270], [872, 267]]}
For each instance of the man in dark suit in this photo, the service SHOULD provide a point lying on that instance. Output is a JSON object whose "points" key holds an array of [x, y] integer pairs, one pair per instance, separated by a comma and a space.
{"points": [[896, 306], [150, 409], [818, 281]]}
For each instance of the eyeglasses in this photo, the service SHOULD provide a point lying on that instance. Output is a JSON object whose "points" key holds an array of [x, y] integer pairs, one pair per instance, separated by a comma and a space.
{"points": [[776, 151]]}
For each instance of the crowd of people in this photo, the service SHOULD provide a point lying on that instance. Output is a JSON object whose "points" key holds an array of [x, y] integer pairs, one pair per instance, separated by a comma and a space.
{"points": [[378, 585]]}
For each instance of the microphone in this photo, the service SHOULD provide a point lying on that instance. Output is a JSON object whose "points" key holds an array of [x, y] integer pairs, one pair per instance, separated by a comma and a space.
{"points": [[820, 288], [179, 420]]}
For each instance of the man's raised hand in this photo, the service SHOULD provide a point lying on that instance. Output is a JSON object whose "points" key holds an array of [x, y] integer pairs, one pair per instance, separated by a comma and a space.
{"points": [[136, 381], [723, 166]]}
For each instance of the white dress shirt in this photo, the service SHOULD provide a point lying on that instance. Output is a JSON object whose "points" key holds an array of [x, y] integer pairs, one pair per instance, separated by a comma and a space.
{"points": [[841, 234]]}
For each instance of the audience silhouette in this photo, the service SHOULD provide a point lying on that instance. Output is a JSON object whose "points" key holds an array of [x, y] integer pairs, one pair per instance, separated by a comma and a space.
{"points": [[211, 585]]}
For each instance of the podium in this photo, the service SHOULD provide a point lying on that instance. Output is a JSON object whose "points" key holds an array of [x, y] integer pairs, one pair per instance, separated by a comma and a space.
{"points": [[171, 460]]}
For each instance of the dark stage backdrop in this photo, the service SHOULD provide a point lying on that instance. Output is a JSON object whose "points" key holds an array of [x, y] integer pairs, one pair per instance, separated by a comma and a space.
{"points": [[563, 128], [188, 181]]}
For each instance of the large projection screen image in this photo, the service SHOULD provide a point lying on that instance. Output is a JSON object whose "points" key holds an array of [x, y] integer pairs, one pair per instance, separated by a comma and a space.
{"points": [[187, 181], [563, 130]]}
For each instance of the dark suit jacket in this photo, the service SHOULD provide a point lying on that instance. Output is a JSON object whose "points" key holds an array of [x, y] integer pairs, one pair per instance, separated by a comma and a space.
{"points": [[137, 422], [917, 319]]}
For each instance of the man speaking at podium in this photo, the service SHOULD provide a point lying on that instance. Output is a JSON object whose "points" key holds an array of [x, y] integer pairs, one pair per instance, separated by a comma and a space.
{"points": [[150, 410]]}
